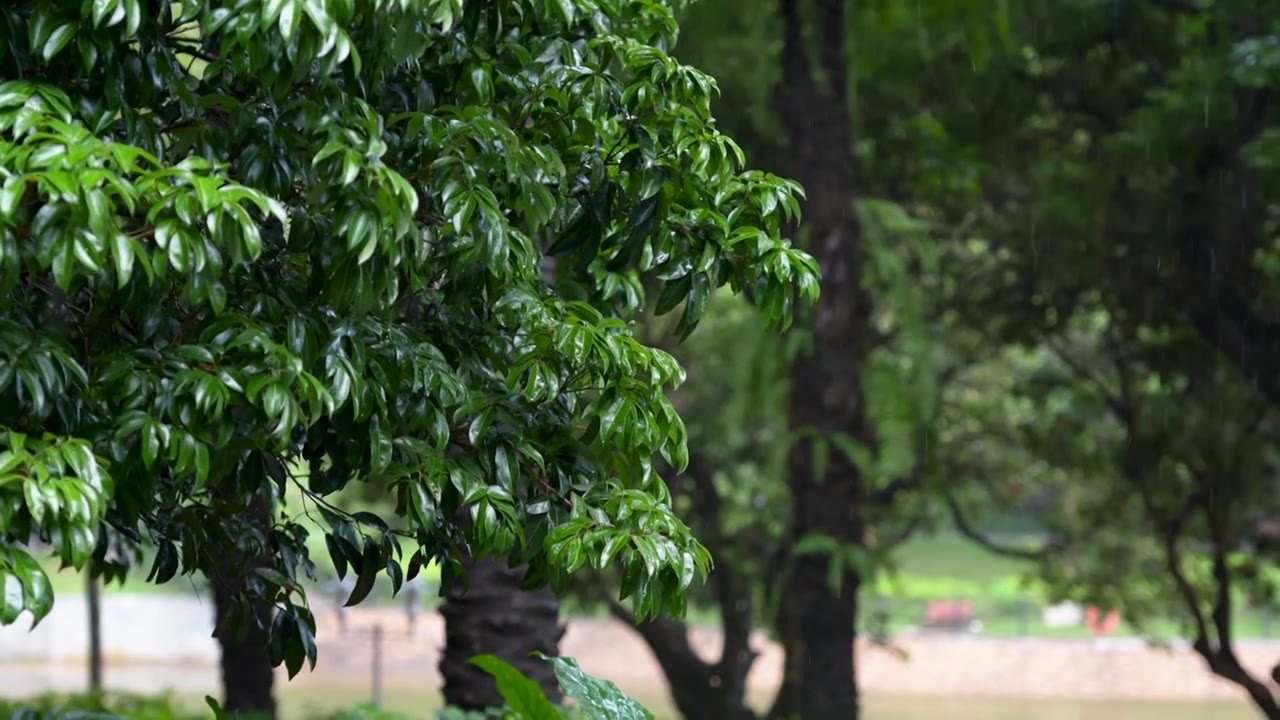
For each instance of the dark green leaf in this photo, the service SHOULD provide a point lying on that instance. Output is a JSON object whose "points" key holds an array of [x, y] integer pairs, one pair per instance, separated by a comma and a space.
{"points": [[371, 563], [165, 565]]}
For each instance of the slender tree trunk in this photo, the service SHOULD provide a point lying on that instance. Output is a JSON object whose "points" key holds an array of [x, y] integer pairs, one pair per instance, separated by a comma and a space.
{"points": [[702, 689], [818, 616], [786, 703], [699, 689], [248, 680], [93, 598], [494, 615]]}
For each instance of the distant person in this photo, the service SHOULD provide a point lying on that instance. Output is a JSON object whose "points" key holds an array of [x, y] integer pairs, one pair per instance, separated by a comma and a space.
{"points": [[341, 589], [412, 591]]}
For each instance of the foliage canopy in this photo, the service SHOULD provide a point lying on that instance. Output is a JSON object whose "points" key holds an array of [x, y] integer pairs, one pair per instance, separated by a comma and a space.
{"points": [[245, 245]]}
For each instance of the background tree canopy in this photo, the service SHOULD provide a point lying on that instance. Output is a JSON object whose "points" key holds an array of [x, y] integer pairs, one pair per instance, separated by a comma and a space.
{"points": [[1058, 219]]}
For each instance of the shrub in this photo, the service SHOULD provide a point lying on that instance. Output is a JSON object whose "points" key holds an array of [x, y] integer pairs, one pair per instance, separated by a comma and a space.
{"points": [[86, 706]]}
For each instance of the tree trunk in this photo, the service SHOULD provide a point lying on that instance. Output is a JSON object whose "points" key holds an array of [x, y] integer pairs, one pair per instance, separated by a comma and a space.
{"points": [[817, 619], [487, 612], [701, 689], [248, 680], [93, 597]]}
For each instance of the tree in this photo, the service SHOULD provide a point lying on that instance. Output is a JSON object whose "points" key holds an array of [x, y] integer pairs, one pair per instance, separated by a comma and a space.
{"points": [[788, 72], [1156, 455], [491, 612], [1050, 150], [734, 407], [1137, 254], [1125, 143], [295, 244], [93, 603]]}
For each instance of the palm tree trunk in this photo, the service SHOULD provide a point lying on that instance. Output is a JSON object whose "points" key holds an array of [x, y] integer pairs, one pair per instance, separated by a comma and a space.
{"points": [[487, 612], [248, 680], [492, 614]]}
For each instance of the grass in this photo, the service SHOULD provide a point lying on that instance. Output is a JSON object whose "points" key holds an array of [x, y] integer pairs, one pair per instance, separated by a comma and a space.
{"points": [[952, 557], [953, 568]]}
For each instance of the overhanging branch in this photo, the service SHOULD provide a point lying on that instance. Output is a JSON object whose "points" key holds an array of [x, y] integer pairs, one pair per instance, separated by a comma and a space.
{"points": [[967, 529]]}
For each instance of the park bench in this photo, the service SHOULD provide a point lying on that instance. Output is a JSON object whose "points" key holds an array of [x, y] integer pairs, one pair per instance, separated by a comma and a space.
{"points": [[953, 615]]}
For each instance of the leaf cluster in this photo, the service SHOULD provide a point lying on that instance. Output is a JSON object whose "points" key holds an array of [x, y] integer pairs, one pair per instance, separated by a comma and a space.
{"points": [[249, 247]]}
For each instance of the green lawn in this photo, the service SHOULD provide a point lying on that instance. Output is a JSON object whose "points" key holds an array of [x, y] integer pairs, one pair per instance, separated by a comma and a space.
{"points": [[947, 567], [954, 557]]}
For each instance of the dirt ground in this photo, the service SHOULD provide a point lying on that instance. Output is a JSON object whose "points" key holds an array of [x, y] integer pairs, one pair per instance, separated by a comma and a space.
{"points": [[951, 666], [924, 664]]}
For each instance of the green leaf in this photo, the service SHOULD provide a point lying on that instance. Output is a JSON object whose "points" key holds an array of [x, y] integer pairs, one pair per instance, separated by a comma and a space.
{"points": [[295, 646], [380, 444], [522, 695], [371, 563], [307, 635], [673, 293], [215, 707], [273, 576], [58, 40], [165, 565], [421, 504], [597, 699], [281, 634], [11, 597], [479, 427], [290, 19], [336, 554], [415, 566], [37, 590]]}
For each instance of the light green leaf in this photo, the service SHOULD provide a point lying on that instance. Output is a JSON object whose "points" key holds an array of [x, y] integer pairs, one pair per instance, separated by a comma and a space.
{"points": [[522, 695], [597, 699]]}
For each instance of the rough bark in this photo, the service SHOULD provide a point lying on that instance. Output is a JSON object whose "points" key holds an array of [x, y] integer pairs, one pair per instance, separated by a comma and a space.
{"points": [[488, 612], [817, 620], [1223, 207], [248, 680]]}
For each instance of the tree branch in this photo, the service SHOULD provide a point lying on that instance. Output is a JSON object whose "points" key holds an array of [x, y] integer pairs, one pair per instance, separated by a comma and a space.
{"points": [[1115, 401], [736, 609], [967, 529], [1214, 646]]}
